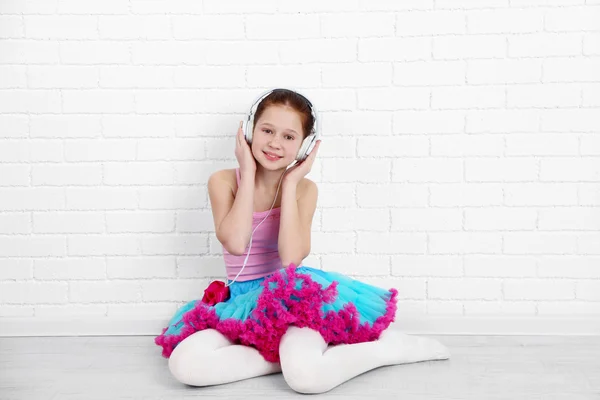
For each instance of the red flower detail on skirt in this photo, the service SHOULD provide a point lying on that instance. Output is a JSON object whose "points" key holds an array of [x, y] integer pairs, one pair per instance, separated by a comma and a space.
{"points": [[215, 293]]}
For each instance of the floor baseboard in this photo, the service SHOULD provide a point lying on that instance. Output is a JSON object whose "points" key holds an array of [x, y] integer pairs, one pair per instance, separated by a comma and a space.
{"points": [[86, 326]]}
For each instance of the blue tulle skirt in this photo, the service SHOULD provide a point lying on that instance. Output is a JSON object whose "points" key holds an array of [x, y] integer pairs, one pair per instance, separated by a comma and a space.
{"points": [[258, 312]]}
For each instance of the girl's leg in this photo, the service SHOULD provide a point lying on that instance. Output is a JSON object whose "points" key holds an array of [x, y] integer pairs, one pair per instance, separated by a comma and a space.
{"points": [[207, 357], [310, 366]]}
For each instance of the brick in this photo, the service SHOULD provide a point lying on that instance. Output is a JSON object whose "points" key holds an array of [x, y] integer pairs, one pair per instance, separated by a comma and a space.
{"points": [[500, 266], [61, 27], [544, 44], [16, 268], [97, 101], [33, 292], [505, 21], [570, 169], [438, 22], [418, 122], [391, 195], [458, 47], [68, 222], [357, 75], [13, 77], [504, 71], [426, 219], [529, 289], [14, 175], [136, 76], [467, 97], [331, 243], [559, 266], [173, 198], [179, 244], [393, 146], [66, 174], [500, 219], [357, 265], [572, 18], [100, 150], [101, 292], [84, 268], [464, 243], [426, 265], [100, 198], [569, 218], [102, 244], [131, 27], [393, 99], [141, 267], [513, 169], [540, 194], [429, 73], [14, 127], [465, 289], [539, 243], [349, 219], [541, 144], [65, 126], [467, 145], [391, 243], [427, 170], [362, 25], [393, 49], [28, 199], [318, 50], [281, 27], [465, 194], [356, 170]]}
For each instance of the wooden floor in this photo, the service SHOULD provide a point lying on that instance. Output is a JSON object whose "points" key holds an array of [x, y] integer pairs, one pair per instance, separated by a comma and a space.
{"points": [[481, 367]]}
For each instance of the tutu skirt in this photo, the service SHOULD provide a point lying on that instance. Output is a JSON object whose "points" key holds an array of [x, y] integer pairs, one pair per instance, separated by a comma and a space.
{"points": [[258, 312]]}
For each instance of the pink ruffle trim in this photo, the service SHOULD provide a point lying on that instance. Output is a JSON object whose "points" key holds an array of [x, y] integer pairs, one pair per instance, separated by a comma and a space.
{"points": [[276, 310]]}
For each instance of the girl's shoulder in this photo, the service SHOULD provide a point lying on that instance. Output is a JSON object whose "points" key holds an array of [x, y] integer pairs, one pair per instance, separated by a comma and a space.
{"points": [[224, 177], [307, 187]]}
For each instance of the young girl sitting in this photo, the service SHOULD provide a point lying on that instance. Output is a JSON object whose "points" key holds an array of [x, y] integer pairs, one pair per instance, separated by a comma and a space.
{"points": [[319, 328]]}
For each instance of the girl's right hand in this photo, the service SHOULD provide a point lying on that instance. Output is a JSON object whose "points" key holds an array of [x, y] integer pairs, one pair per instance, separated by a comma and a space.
{"points": [[243, 153]]}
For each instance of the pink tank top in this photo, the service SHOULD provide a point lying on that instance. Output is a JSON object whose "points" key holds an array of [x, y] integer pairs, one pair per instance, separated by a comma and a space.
{"points": [[264, 254]]}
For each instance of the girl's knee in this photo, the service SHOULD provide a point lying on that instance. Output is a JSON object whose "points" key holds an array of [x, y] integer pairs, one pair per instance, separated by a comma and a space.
{"points": [[305, 341], [305, 378], [190, 362], [180, 366]]}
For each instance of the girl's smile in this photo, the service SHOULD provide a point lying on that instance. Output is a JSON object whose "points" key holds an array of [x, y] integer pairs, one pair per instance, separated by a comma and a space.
{"points": [[271, 157]]}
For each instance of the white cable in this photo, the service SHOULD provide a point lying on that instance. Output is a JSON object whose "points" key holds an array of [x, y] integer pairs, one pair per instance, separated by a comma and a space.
{"points": [[274, 200]]}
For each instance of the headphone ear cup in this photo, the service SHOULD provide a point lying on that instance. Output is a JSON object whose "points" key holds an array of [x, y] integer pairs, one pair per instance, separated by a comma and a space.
{"points": [[247, 132], [305, 148]]}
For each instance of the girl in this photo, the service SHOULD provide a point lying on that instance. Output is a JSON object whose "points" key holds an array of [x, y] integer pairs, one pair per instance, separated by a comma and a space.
{"points": [[319, 328]]}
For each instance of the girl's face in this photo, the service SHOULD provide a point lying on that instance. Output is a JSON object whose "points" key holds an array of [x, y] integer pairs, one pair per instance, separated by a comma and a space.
{"points": [[277, 137]]}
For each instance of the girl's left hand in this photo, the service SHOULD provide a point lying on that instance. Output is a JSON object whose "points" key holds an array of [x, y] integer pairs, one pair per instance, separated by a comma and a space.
{"points": [[295, 174]]}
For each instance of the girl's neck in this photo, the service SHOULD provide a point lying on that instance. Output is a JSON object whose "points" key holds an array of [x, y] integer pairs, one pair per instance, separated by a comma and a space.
{"points": [[267, 180]]}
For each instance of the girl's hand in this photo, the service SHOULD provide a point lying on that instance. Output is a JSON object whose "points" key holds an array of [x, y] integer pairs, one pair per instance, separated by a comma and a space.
{"points": [[243, 153], [300, 170]]}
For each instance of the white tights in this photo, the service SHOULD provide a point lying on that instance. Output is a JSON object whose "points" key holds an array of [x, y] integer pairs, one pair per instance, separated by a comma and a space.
{"points": [[308, 364]]}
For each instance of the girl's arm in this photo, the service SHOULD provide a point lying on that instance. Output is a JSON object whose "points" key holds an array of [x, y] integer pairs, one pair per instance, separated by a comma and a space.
{"points": [[296, 222], [232, 214]]}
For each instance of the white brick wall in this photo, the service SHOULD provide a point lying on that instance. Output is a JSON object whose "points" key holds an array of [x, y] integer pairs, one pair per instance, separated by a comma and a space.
{"points": [[460, 161]]}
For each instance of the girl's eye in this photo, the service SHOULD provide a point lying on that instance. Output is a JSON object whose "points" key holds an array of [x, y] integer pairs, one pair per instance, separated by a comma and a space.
{"points": [[267, 130], [290, 137]]}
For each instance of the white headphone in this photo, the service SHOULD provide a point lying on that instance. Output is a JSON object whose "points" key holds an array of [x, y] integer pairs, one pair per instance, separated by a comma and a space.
{"points": [[307, 145]]}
